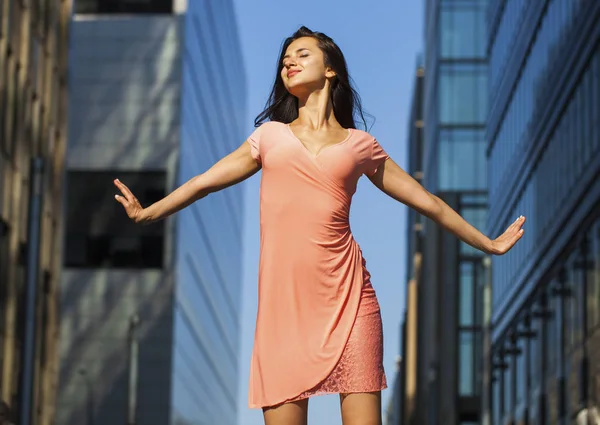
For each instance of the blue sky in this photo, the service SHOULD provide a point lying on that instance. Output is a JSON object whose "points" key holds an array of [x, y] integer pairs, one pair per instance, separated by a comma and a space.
{"points": [[380, 40]]}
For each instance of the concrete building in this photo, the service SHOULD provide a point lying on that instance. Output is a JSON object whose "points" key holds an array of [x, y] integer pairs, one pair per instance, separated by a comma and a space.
{"points": [[544, 159], [33, 135], [407, 391], [150, 314]]}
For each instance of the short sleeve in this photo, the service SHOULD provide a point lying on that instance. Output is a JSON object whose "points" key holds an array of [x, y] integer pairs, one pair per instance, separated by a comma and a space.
{"points": [[254, 140], [378, 156]]}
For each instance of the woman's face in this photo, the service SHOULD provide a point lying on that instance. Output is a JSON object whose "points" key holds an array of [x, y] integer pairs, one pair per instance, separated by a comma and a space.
{"points": [[303, 66]]}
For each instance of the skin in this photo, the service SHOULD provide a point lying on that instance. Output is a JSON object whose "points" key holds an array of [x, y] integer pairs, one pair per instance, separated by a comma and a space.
{"points": [[318, 128]]}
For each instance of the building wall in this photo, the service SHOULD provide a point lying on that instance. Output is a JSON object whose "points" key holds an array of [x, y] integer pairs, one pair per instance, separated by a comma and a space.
{"points": [[125, 80], [409, 352], [33, 121], [208, 300], [544, 156], [156, 104], [451, 288], [454, 164]]}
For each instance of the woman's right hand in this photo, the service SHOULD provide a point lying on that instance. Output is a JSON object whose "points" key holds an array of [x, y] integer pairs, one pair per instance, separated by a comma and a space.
{"points": [[132, 206]]}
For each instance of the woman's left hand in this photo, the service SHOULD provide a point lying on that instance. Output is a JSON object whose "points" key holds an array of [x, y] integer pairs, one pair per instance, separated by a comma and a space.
{"points": [[505, 242]]}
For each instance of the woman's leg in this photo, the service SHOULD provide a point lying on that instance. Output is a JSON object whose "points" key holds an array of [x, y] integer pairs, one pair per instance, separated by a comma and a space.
{"points": [[293, 413], [361, 408]]}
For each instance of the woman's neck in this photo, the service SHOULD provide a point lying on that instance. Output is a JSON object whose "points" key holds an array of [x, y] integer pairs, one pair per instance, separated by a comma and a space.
{"points": [[315, 112]]}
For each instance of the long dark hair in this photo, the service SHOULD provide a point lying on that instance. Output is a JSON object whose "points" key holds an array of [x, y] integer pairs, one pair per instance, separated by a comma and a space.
{"points": [[283, 106]]}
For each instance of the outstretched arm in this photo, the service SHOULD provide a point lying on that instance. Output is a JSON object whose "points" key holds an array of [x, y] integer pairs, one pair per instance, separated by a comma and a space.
{"points": [[398, 184], [232, 169]]}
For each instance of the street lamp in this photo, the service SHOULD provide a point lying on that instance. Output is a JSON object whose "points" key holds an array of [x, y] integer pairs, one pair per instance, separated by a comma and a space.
{"points": [[89, 398], [133, 370]]}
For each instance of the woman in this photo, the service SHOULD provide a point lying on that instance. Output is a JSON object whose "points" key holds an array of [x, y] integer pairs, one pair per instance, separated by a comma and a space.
{"points": [[318, 326]]}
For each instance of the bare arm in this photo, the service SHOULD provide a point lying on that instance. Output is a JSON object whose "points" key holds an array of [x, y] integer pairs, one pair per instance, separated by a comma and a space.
{"points": [[398, 184], [232, 169]]}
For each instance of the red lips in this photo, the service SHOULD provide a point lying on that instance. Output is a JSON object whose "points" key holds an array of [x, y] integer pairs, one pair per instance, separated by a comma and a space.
{"points": [[291, 73]]}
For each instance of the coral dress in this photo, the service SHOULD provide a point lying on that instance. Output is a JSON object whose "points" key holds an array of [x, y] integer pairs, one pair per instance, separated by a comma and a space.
{"points": [[318, 327]]}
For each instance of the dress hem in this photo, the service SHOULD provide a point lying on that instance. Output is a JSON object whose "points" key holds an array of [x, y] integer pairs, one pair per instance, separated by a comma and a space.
{"points": [[318, 393]]}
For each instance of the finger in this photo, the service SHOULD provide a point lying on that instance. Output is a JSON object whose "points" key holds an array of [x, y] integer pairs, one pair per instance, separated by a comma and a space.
{"points": [[518, 222], [518, 235], [125, 190], [122, 200]]}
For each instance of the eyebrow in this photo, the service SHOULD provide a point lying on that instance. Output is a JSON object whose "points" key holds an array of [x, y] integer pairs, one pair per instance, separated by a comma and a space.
{"points": [[297, 50]]}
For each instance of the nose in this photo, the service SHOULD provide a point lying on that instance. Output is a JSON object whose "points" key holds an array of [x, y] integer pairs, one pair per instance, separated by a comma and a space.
{"points": [[289, 63]]}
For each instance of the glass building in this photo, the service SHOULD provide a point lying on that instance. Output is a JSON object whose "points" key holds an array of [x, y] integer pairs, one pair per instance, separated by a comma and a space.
{"points": [[150, 315], [33, 137], [443, 329], [544, 159]]}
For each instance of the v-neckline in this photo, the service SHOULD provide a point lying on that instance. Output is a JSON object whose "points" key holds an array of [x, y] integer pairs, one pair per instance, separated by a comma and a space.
{"points": [[312, 155]]}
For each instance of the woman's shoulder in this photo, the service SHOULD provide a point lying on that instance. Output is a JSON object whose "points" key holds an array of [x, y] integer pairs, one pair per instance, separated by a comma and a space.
{"points": [[266, 129], [362, 138], [272, 125], [362, 134]]}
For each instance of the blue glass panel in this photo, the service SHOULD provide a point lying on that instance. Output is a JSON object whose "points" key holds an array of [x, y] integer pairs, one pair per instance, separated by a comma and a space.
{"points": [[462, 161], [466, 364], [463, 31], [463, 94]]}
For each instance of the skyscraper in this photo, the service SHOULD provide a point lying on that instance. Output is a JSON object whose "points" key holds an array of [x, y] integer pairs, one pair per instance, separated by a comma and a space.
{"points": [[544, 158], [442, 353], [150, 315], [33, 136]]}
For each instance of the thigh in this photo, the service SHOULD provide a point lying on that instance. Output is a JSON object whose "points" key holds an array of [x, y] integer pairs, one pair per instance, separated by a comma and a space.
{"points": [[293, 413], [361, 408]]}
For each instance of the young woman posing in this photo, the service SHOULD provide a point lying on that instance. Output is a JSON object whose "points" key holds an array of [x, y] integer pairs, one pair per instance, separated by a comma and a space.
{"points": [[318, 327]]}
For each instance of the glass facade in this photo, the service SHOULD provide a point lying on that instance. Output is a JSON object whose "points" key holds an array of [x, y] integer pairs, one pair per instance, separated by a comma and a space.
{"points": [[530, 95], [154, 103], [455, 168], [209, 233], [470, 300], [456, 98], [544, 163], [570, 149], [551, 348]]}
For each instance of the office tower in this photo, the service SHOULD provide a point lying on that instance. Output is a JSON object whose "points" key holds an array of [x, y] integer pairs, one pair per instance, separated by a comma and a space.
{"points": [[150, 314], [442, 353], [33, 137], [544, 159]]}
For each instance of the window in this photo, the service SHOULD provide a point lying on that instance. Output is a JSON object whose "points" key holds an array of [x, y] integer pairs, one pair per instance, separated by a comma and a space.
{"points": [[466, 294], [463, 33], [462, 160], [550, 302], [466, 384], [123, 6], [463, 93], [496, 398], [99, 233], [470, 299], [534, 352], [573, 302], [477, 217], [507, 387], [521, 371]]}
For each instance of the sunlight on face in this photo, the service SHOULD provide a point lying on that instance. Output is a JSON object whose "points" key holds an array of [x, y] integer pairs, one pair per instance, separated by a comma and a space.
{"points": [[303, 66]]}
